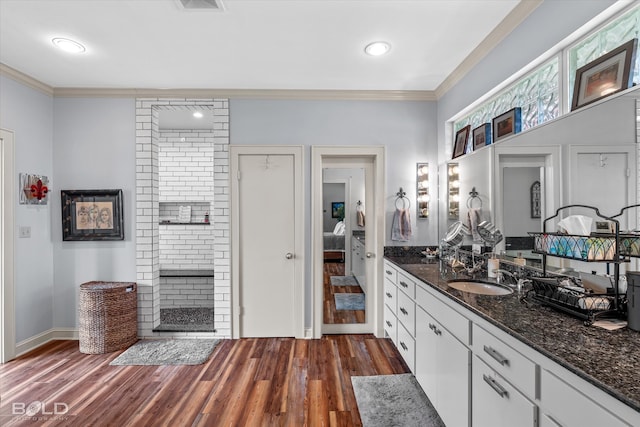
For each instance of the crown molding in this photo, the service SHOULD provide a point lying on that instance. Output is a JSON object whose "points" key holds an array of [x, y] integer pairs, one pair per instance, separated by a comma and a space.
{"points": [[508, 24], [360, 95], [26, 80]]}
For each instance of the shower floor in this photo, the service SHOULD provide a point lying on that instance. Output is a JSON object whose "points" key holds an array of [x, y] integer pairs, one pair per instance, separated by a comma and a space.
{"points": [[198, 319]]}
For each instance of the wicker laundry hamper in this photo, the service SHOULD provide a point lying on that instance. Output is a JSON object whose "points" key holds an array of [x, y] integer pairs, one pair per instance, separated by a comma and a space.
{"points": [[108, 316]]}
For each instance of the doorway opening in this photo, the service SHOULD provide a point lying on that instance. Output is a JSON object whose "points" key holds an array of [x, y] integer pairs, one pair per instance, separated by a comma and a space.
{"points": [[353, 219]]}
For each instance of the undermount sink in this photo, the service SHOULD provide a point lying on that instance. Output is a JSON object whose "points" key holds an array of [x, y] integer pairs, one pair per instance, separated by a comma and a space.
{"points": [[479, 287]]}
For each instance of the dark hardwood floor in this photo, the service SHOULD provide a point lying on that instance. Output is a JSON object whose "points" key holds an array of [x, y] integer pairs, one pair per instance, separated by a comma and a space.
{"points": [[331, 315], [246, 382]]}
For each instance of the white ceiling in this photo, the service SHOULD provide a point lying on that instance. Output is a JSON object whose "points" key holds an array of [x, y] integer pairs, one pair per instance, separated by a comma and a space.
{"points": [[250, 45]]}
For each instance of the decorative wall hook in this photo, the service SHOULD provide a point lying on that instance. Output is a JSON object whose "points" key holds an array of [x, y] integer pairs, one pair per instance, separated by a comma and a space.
{"points": [[34, 189]]}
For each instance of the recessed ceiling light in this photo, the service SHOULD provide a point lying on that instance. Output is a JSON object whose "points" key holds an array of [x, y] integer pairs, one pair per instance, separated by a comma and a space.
{"points": [[377, 48], [197, 114], [68, 45]]}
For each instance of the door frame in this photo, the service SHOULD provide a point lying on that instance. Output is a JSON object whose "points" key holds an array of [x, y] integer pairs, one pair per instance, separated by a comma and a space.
{"points": [[374, 242], [7, 246], [297, 151]]}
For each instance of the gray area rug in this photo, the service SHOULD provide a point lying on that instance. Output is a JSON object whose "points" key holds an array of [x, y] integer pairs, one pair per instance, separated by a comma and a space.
{"points": [[349, 301], [393, 400], [167, 352], [344, 281]]}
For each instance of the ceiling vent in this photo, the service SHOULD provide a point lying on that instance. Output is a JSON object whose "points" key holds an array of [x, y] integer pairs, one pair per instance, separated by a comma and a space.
{"points": [[201, 4]]}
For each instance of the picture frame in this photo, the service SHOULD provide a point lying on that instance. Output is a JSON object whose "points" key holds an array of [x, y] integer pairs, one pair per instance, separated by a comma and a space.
{"points": [[460, 143], [604, 76], [337, 210], [92, 215], [481, 136], [536, 202], [507, 124]]}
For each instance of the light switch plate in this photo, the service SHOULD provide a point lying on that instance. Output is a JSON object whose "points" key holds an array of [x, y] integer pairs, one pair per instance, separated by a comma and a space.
{"points": [[25, 231]]}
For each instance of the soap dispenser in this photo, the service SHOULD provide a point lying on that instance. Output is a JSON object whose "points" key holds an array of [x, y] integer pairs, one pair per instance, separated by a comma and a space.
{"points": [[519, 260]]}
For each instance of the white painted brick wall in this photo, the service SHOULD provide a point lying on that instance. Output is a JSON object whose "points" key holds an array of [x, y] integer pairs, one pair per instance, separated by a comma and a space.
{"points": [[147, 215], [185, 292]]}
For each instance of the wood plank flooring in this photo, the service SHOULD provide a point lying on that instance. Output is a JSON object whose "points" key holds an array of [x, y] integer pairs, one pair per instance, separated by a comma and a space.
{"points": [[246, 382], [331, 315]]}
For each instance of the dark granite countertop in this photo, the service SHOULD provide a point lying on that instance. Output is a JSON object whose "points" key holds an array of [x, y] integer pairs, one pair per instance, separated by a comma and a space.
{"points": [[608, 359]]}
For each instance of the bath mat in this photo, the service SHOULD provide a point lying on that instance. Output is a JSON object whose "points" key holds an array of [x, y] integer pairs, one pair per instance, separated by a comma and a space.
{"points": [[349, 301], [393, 400], [344, 281], [167, 352]]}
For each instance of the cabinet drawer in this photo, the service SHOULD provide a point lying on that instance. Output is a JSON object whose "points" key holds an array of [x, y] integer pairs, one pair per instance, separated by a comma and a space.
{"points": [[390, 295], [496, 403], [390, 272], [454, 322], [506, 361], [407, 313], [406, 284], [391, 325], [569, 407], [407, 347]]}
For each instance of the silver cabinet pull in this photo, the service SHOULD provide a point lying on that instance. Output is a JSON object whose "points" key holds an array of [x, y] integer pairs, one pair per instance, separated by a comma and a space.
{"points": [[389, 295], [388, 272], [388, 323], [403, 345], [404, 285], [494, 385], [432, 326], [405, 312], [289, 255], [496, 355]]}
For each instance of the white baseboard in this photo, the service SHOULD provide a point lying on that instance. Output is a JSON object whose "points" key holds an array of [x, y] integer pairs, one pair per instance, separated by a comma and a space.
{"points": [[36, 341], [308, 333]]}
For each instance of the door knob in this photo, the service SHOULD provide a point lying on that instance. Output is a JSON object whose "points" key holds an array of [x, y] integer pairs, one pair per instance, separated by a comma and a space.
{"points": [[369, 254], [289, 255]]}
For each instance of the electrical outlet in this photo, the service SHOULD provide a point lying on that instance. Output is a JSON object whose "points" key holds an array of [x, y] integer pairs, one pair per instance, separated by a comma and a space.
{"points": [[25, 231]]}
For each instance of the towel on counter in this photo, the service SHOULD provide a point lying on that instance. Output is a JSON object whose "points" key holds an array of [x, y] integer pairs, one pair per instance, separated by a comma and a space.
{"points": [[473, 216], [401, 225], [360, 218]]}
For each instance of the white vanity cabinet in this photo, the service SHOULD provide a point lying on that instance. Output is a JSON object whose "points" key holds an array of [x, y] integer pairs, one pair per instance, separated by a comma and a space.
{"points": [[358, 262], [399, 314], [442, 369], [497, 403]]}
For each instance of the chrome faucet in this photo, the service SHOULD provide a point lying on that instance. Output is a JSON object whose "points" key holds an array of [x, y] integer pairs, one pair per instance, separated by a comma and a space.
{"points": [[519, 282]]}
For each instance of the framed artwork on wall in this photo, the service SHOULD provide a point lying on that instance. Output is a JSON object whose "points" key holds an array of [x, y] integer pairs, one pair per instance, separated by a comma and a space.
{"points": [[337, 210], [481, 136], [507, 124], [92, 215], [460, 143], [610, 73]]}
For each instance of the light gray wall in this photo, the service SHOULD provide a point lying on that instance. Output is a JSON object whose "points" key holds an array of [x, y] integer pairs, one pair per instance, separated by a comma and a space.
{"points": [[407, 130], [94, 149], [29, 114]]}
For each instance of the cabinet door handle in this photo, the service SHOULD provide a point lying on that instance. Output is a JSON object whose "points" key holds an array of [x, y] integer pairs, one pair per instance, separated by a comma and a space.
{"points": [[404, 285], [496, 355], [388, 272], [403, 345], [405, 312], [389, 295], [494, 385], [437, 331], [388, 323], [432, 326]]}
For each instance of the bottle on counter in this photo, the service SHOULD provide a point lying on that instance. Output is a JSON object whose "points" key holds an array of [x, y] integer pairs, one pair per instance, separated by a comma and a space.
{"points": [[206, 217], [520, 260]]}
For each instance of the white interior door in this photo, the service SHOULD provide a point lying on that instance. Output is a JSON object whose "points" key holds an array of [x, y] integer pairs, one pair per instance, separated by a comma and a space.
{"points": [[266, 232]]}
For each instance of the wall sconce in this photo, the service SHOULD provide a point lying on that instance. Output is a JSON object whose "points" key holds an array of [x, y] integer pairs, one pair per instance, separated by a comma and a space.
{"points": [[33, 189], [454, 190], [422, 189]]}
